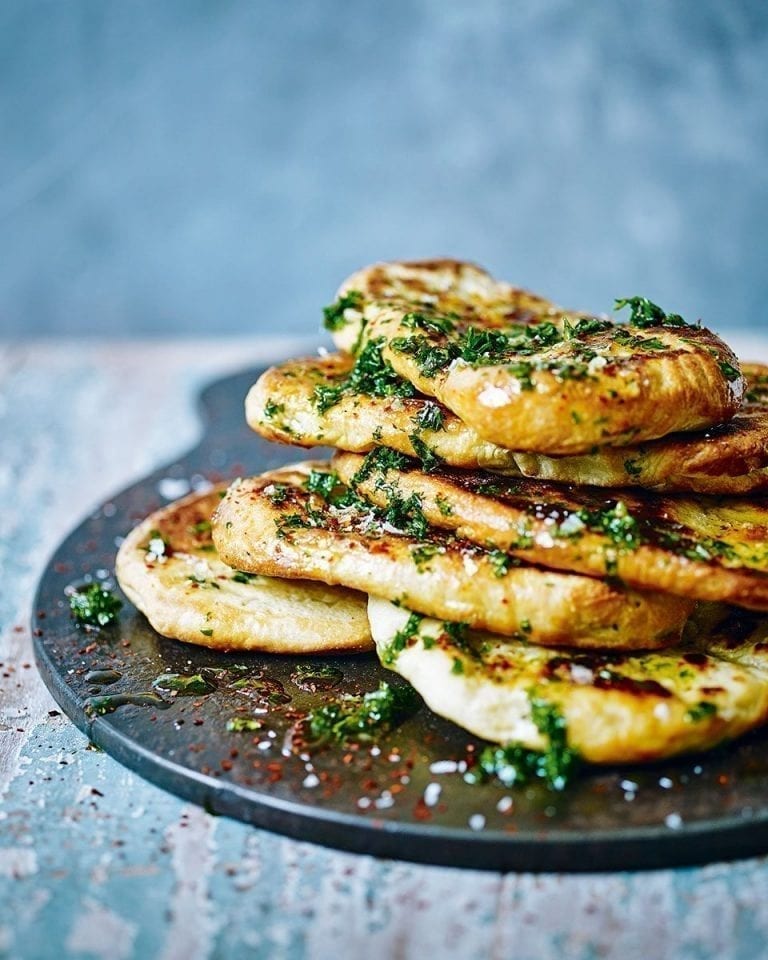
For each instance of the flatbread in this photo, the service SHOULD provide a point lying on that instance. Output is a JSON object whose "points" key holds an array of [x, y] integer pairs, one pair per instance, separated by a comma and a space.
{"points": [[618, 708], [694, 546], [730, 458], [169, 569], [529, 376], [273, 525], [316, 401], [290, 403]]}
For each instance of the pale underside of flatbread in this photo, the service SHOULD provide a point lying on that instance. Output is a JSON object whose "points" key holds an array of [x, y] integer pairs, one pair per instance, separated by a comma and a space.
{"points": [[530, 376], [290, 404], [618, 708], [273, 525], [693, 546], [169, 569]]}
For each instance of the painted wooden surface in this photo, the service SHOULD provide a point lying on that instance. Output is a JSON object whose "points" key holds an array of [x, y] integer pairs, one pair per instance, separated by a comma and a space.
{"points": [[94, 862]]}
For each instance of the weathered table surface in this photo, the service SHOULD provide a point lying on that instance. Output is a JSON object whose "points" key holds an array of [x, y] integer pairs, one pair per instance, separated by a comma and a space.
{"points": [[95, 862]]}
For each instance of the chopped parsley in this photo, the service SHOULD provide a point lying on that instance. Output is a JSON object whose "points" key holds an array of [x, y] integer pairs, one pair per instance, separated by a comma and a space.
{"points": [[370, 375], [584, 327], [244, 724], [379, 461], [401, 639], [429, 322], [94, 605], [322, 482], [430, 417], [728, 370], [196, 683], [644, 313], [422, 553], [277, 492], [239, 576], [700, 711], [406, 514], [333, 315], [360, 718], [430, 461], [515, 764], [616, 522], [501, 562], [271, 409], [636, 342]]}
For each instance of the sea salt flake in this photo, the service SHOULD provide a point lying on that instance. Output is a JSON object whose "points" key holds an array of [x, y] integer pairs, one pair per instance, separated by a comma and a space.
{"points": [[443, 766], [432, 794], [171, 488]]}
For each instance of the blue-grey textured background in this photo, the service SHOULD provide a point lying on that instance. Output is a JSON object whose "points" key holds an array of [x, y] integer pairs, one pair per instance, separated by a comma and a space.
{"points": [[191, 166]]}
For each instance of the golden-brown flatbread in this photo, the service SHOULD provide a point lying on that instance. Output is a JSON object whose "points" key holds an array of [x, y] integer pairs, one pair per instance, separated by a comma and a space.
{"points": [[530, 376], [617, 708], [730, 458], [310, 402], [169, 569], [321, 401], [300, 522], [695, 546]]}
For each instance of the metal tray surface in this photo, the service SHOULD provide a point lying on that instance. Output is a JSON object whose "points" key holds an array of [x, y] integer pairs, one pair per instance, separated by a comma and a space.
{"points": [[403, 798]]}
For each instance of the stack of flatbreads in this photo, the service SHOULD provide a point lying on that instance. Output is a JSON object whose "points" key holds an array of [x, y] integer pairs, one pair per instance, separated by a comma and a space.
{"points": [[543, 508]]}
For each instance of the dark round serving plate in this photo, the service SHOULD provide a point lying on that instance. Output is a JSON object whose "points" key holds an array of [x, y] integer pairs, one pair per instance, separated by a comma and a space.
{"points": [[406, 796]]}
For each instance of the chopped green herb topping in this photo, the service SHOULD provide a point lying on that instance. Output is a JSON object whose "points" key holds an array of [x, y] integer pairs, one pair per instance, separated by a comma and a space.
{"points": [[429, 459], [361, 718], [501, 562], [700, 711], [196, 683], [277, 492], [443, 505], [728, 370], [379, 461], [239, 576], [244, 724], [515, 764], [584, 327], [645, 313], [616, 522], [423, 553], [271, 409], [429, 322], [636, 342], [94, 605], [458, 665], [401, 639], [371, 375], [333, 315], [322, 482], [428, 356], [406, 514], [430, 417], [480, 345]]}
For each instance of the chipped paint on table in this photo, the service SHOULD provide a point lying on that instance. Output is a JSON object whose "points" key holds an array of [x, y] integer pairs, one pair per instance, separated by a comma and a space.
{"points": [[95, 862]]}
